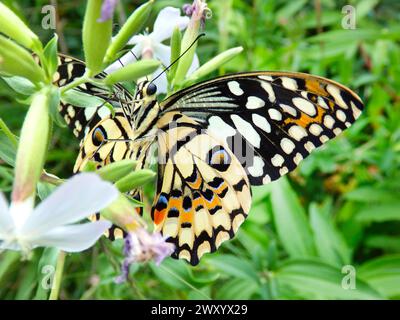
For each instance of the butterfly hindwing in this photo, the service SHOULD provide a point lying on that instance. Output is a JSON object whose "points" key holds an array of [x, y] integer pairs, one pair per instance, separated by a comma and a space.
{"points": [[270, 120], [203, 192]]}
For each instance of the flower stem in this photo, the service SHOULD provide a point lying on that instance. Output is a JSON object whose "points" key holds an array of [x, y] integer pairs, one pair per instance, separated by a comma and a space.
{"points": [[75, 83], [55, 290]]}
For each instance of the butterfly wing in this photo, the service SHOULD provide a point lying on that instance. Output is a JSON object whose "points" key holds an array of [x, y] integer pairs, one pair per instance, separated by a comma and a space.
{"points": [[270, 120], [203, 193], [105, 136]]}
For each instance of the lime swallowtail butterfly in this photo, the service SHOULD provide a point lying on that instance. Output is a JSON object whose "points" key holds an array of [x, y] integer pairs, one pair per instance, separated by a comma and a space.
{"points": [[214, 140]]}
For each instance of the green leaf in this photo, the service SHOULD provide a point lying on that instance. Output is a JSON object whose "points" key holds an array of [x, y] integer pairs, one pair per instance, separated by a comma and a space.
{"points": [[8, 260], [44, 189], [371, 194], [331, 246], [316, 280], [51, 58], [383, 274], [20, 85], [379, 212], [179, 275], [290, 221], [237, 289], [234, 266], [83, 100], [46, 272], [53, 108], [8, 151]]}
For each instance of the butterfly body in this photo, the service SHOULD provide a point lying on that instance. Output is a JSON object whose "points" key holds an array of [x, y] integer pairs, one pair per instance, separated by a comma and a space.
{"points": [[214, 141]]}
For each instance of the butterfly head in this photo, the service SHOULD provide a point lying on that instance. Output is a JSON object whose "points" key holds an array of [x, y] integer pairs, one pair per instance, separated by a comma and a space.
{"points": [[146, 90]]}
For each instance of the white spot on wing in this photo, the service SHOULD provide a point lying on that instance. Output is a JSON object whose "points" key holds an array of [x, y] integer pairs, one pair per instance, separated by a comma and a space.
{"points": [[329, 121], [256, 170], [277, 160], [297, 132], [289, 83], [275, 114], [254, 102], [261, 122], [305, 106], [335, 93], [287, 145], [341, 115], [246, 130], [220, 128], [268, 88], [315, 129], [234, 87]]}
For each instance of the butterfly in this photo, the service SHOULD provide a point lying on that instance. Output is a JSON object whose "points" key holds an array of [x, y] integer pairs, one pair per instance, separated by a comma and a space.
{"points": [[214, 140]]}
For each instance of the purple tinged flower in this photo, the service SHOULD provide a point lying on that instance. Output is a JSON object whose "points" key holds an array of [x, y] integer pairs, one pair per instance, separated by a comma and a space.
{"points": [[199, 10], [107, 10], [141, 246]]}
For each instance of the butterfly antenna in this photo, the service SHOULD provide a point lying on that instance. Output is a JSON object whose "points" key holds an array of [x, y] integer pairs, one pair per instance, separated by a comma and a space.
{"points": [[180, 56]]}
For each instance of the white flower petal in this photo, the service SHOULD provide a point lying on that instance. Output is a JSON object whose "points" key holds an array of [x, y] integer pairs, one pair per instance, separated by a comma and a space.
{"points": [[6, 221], [166, 21], [81, 196], [136, 39], [125, 59], [73, 238], [161, 82], [195, 65], [162, 53]]}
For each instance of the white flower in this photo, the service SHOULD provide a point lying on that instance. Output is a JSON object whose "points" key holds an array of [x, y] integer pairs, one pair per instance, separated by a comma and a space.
{"points": [[50, 223], [150, 45]]}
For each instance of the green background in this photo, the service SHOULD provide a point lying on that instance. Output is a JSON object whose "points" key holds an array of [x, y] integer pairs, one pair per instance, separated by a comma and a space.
{"points": [[334, 219]]}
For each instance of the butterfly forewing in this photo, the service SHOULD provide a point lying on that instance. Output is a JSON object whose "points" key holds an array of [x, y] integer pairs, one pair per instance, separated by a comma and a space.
{"points": [[270, 120]]}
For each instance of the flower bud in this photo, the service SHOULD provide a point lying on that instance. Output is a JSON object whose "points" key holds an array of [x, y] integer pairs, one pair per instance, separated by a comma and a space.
{"points": [[132, 71], [214, 63], [134, 23], [117, 170], [12, 26], [122, 213], [197, 13], [96, 37], [134, 180], [17, 61], [32, 147]]}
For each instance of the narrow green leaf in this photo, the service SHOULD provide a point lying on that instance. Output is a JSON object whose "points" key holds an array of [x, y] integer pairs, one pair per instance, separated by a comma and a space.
{"points": [[45, 272], [379, 212], [383, 273], [316, 280], [290, 221], [234, 266], [330, 244], [20, 85], [51, 58]]}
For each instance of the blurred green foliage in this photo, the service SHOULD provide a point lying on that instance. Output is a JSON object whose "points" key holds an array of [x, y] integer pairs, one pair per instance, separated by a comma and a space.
{"points": [[341, 207]]}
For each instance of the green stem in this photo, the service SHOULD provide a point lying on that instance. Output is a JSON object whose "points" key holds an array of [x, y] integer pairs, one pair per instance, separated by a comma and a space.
{"points": [[55, 290], [8, 133], [75, 83]]}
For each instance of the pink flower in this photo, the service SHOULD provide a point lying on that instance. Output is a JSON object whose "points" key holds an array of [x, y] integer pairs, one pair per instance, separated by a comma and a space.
{"points": [[107, 10]]}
